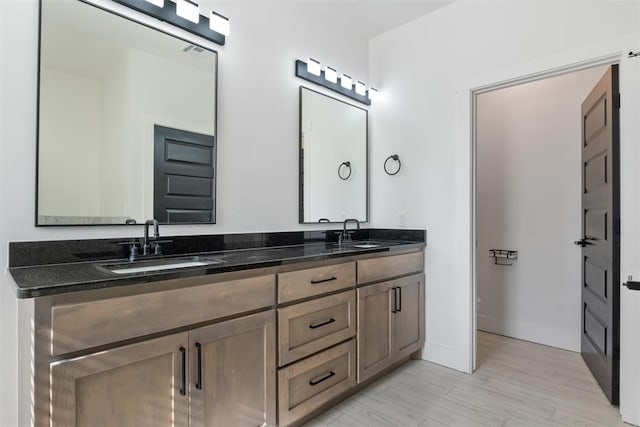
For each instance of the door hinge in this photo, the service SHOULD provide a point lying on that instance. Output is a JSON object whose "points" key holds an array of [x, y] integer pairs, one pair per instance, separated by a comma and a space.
{"points": [[616, 102]]}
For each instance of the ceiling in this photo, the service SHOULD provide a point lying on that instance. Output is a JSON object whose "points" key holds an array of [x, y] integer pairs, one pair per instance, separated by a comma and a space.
{"points": [[371, 18], [365, 18]]}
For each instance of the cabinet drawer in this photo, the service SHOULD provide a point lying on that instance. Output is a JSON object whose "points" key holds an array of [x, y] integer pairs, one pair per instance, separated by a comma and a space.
{"points": [[300, 284], [373, 269], [89, 324], [310, 383], [308, 327]]}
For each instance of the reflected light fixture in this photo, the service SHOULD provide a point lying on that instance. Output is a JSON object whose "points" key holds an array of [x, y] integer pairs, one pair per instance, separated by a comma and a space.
{"points": [[361, 88], [219, 23], [159, 3], [345, 81], [373, 93], [189, 10], [313, 67], [330, 74]]}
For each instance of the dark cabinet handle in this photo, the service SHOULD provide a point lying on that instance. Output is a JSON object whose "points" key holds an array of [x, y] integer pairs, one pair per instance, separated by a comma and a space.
{"points": [[399, 299], [632, 286], [330, 279], [395, 300], [199, 366], [323, 378], [312, 326], [183, 387]]}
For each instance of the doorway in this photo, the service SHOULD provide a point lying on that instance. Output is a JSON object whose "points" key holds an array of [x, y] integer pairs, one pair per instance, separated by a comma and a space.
{"points": [[529, 209]]}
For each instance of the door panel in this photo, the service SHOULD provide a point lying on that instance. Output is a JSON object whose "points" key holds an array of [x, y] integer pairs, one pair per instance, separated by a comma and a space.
{"points": [[184, 176], [375, 349], [233, 371], [134, 385], [601, 229], [409, 320]]}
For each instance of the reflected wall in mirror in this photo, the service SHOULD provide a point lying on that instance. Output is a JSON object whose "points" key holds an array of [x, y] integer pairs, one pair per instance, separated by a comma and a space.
{"points": [[126, 121], [333, 159]]}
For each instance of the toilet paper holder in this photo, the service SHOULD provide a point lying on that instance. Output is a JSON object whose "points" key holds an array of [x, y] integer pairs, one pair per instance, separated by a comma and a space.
{"points": [[503, 254]]}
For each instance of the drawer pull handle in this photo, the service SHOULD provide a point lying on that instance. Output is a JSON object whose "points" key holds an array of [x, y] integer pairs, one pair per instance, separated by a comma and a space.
{"points": [[323, 378], [199, 367], [183, 385], [330, 279], [312, 326]]}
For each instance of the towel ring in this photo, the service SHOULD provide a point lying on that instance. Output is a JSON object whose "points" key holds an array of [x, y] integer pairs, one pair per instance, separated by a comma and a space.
{"points": [[347, 165], [397, 159]]}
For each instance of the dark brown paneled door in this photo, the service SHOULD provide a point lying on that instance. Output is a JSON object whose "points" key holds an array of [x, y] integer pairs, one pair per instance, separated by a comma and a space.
{"points": [[184, 178], [601, 233]]}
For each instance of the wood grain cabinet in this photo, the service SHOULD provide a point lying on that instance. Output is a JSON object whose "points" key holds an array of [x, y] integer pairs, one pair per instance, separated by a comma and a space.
{"points": [[219, 375], [233, 372], [390, 323], [142, 384]]}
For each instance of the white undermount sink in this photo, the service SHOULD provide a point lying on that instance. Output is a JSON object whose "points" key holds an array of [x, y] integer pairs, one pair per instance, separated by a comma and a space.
{"points": [[159, 265]]}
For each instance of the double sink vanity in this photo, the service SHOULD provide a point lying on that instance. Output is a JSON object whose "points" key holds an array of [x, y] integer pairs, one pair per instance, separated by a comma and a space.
{"points": [[209, 330], [260, 329]]}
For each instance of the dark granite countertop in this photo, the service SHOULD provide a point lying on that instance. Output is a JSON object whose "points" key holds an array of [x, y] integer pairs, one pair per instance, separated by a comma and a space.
{"points": [[64, 277]]}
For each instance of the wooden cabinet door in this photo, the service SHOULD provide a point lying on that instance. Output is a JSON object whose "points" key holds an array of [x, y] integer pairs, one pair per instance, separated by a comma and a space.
{"points": [[233, 372], [408, 328], [375, 351], [141, 384]]}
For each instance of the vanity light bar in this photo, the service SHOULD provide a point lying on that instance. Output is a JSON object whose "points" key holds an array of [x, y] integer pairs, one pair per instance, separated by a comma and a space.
{"points": [[328, 78], [184, 14]]}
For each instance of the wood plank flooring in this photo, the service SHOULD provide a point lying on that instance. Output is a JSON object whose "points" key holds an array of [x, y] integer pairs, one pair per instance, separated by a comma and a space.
{"points": [[517, 383]]}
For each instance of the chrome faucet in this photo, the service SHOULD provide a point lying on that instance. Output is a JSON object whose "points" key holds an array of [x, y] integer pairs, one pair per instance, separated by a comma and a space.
{"points": [[156, 233], [345, 236]]}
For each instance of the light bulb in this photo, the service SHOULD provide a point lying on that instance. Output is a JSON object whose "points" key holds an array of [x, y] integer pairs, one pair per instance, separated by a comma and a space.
{"points": [[345, 81], [373, 93], [219, 23], [361, 88], [188, 10], [330, 74], [313, 67], [159, 3]]}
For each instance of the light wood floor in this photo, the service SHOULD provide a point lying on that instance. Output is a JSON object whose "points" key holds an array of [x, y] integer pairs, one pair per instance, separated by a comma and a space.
{"points": [[517, 383]]}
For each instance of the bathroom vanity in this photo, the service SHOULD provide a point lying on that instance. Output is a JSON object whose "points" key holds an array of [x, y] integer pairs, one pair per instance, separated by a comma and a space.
{"points": [[261, 336]]}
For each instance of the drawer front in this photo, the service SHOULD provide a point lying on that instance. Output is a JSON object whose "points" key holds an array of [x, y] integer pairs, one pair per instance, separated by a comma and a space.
{"points": [[301, 284], [89, 324], [373, 269], [309, 384], [311, 326]]}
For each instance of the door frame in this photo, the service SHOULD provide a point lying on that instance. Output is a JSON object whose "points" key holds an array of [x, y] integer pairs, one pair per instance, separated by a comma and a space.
{"points": [[608, 60]]}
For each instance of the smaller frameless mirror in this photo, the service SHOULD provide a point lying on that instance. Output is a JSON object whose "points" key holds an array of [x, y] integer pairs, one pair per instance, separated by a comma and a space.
{"points": [[333, 159]]}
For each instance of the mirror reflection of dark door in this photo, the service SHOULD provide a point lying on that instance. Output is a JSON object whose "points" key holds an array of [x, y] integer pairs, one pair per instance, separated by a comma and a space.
{"points": [[184, 176], [601, 233]]}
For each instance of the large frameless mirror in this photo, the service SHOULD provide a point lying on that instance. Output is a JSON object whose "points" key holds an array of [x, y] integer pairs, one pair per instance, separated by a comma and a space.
{"points": [[127, 121], [333, 159]]}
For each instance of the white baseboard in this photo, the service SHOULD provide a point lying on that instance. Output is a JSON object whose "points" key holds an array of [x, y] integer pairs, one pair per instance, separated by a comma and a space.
{"points": [[541, 334], [446, 356]]}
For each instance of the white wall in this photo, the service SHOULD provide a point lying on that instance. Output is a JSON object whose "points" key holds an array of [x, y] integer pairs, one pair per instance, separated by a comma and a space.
{"points": [[426, 70], [257, 128], [59, 186], [528, 199]]}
